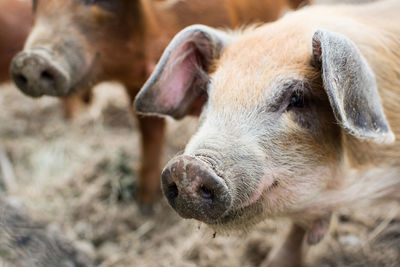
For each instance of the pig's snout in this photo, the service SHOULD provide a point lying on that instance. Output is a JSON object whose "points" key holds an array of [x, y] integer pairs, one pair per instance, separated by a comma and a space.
{"points": [[35, 74], [194, 190]]}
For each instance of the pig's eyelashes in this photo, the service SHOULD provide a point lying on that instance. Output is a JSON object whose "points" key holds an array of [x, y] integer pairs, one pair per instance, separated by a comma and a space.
{"points": [[296, 100], [292, 96]]}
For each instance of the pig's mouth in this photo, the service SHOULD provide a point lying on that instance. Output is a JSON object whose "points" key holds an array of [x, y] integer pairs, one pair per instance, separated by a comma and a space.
{"points": [[197, 188], [264, 187], [239, 219], [213, 164], [249, 213]]}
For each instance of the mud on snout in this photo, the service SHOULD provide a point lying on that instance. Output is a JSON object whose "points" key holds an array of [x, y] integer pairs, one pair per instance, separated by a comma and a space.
{"points": [[198, 187]]}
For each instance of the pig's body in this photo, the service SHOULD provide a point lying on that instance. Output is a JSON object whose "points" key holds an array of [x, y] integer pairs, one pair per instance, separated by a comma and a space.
{"points": [[81, 43], [301, 117], [15, 23]]}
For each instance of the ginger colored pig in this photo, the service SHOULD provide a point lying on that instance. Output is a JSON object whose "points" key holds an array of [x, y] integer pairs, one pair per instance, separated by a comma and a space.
{"points": [[298, 117]]}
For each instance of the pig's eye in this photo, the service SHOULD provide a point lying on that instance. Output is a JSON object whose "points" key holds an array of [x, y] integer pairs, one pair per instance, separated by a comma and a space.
{"points": [[296, 100]]}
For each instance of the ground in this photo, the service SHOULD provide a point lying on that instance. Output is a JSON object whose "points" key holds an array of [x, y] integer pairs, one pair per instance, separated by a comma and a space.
{"points": [[78, 177]]}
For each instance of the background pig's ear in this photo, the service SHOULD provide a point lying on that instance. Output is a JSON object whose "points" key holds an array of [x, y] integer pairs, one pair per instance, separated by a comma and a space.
{"points": [[178, 85], [351, 87]]}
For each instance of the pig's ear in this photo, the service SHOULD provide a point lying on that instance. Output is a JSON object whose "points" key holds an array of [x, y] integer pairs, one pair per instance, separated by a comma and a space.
{"points": [[178, 85], [351, 87]]}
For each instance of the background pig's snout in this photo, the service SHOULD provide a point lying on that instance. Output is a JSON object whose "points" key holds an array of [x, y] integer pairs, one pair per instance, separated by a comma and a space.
{"points": [[194, 190], [35, 74]]}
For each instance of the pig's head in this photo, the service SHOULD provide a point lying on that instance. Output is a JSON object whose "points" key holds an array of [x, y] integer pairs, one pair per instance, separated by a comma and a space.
{"points": [[276, 108], [75, 43]]}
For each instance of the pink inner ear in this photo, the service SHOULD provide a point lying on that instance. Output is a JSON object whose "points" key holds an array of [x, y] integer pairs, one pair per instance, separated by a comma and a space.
{"points": [[316, 49], [178, 76]]}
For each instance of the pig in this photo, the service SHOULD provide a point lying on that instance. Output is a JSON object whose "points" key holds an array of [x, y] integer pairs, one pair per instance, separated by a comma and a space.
{"points": [[297, 118], [76, 44], [15, 24]]}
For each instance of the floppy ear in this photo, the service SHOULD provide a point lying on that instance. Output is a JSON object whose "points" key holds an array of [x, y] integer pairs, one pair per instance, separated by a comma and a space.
{"points": [[351, 87], [178, 85]]}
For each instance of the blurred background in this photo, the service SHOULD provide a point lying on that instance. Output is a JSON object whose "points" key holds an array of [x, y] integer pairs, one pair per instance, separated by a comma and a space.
{"points": [[67, 188]]}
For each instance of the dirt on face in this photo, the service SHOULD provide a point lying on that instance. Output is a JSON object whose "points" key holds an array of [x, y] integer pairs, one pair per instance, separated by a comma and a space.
{"points": [[78, 176]]}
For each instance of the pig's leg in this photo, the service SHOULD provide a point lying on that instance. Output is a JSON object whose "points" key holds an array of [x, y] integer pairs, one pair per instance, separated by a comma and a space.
{"points": [[73, 103], [152, 134], [290, 253], [87, 96], [70, 106], [318, 229], [152, 139]]}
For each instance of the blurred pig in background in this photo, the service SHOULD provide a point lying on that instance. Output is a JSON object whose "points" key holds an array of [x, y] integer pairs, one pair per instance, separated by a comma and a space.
{"points": [[77, 44], [15, 24]]}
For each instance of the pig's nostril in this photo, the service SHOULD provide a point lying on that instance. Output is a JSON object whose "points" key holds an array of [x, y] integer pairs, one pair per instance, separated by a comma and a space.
{"points": [[194, 190], [36, 73], [206, 193], [173, 191], [47, 76], [21, 80]]}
